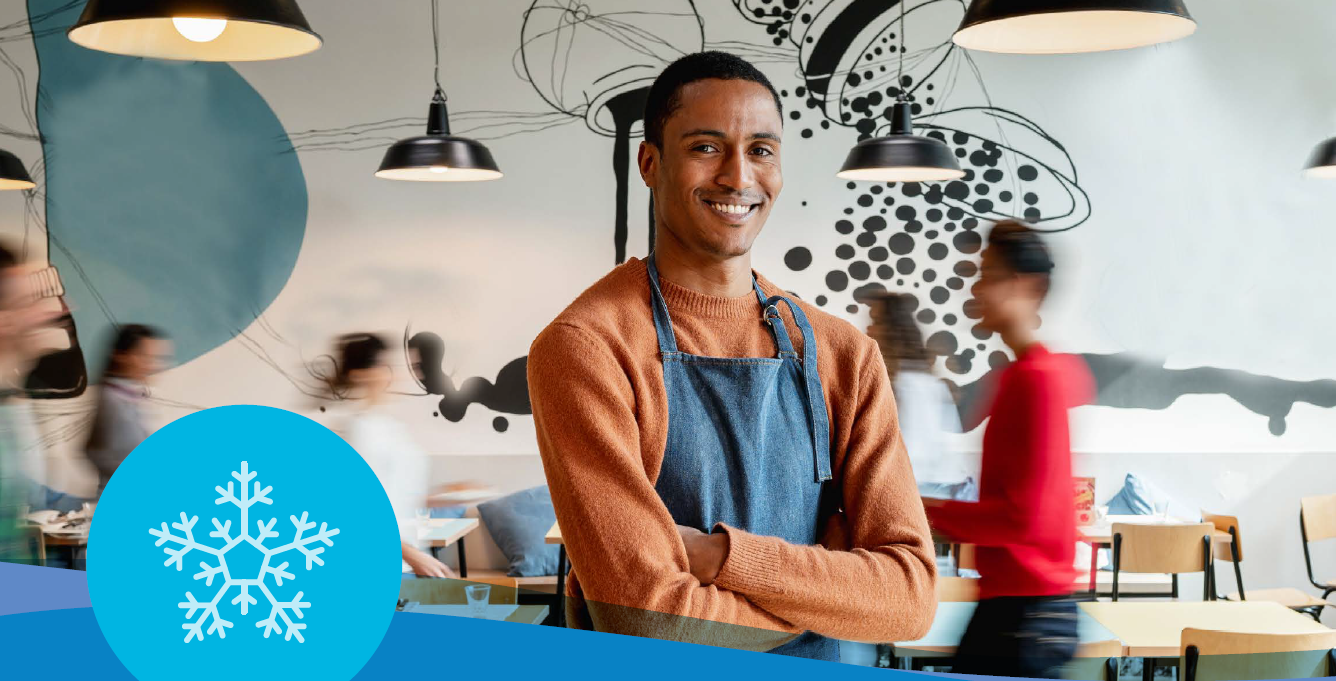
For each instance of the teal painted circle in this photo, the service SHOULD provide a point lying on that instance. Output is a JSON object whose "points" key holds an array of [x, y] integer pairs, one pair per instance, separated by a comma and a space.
{"points": [[174, 196], [312, 481]]}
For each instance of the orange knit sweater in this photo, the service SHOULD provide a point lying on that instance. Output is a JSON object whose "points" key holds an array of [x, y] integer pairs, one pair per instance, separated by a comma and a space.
{"points": [[601, 412]]}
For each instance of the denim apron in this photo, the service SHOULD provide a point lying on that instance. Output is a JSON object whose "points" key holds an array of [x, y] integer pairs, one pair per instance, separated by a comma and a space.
{"points": [[748, 441]]}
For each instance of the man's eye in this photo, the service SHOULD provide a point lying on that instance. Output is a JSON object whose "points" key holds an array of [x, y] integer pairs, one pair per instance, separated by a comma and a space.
{"points": [[704, 148], [763, 151]]}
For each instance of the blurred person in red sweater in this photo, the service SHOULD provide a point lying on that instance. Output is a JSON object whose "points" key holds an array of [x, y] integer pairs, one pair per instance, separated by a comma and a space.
{"points": [[1024, 523]]}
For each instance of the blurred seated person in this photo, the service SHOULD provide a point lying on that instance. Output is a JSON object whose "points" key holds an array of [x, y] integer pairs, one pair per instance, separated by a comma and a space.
{"points": [[362, 382]]}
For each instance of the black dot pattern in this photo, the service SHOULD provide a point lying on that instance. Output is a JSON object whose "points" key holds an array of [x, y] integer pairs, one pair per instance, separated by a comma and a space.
{"points": [[923, 239]]}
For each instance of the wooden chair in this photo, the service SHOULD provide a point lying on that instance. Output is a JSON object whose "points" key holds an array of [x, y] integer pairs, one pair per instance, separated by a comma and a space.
{"points": [[1317, 522], [451, 591], [1293, 599], [1230, 656], [1163, 549]]}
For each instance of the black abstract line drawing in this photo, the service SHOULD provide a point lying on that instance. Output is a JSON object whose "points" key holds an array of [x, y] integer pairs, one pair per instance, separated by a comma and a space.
{"points": [[480, 125], [509, 394], [1127, 381], [847, 57], [845, 50], [594, 60]]}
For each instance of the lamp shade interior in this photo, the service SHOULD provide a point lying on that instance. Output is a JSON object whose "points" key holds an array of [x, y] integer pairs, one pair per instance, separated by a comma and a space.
{"points": [[224, 30], [12, 173], [1071, 26], [1322, 164], [900, 157], [438, 158]]}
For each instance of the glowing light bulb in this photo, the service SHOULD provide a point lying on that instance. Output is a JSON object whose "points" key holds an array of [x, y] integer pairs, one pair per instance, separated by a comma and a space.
{"points": [[439, 169], [199, 30]]}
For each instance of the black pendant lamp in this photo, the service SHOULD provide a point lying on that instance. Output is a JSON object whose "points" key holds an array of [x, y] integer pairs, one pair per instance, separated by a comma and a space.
{"points": [[901, 156], [438, 156], [12, 173], [196, 30], [1322, 164], [1071, 26]]}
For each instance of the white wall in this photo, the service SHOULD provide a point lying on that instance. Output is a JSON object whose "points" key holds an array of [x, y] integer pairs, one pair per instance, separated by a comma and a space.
{"points": [[1204, 246]]}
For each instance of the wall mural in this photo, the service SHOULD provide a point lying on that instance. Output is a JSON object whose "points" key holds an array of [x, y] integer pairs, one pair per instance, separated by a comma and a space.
{"points": [[119, 135]]}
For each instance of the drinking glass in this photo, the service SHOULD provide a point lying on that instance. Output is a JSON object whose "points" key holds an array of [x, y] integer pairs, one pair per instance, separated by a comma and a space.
{"points": [[478, 595], [1162, 511]]}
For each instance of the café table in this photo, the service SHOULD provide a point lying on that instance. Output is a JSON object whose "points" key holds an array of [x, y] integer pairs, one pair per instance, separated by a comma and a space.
{"points": [[440, 533], [1153, 629]]}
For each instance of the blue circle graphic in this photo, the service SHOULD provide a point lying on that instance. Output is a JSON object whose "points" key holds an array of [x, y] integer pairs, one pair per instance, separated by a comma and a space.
{"points": [[243, 541]]}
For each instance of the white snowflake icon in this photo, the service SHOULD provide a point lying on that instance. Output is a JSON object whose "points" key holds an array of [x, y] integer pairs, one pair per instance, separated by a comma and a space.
{"points": [[278, 609]]}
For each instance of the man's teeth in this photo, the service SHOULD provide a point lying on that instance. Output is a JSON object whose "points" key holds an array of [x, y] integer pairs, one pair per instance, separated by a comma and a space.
{"points": [[732, 208]]}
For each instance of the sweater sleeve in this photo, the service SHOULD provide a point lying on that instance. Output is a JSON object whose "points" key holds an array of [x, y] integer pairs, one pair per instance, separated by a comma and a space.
{"points": [[1006, 513], [874, 577], [622, 542]]}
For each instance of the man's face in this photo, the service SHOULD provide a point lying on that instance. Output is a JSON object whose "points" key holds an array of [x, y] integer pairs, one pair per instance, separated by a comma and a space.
{"points": [[1006, 299], [717, 175]]}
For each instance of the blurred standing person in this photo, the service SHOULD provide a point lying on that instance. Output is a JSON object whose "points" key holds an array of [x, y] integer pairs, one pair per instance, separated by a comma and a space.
{"points": [[927, 413], [138, 352], [21, 325], [1024, 523], [363, 377]]}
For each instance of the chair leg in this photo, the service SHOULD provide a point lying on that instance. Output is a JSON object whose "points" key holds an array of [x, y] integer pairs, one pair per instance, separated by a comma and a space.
{"points": [[1208, 588], [1238, 569], [1117, 560]]}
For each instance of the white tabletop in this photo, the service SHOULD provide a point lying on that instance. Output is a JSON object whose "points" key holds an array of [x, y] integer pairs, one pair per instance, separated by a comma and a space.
{"points": [[440, 532]]}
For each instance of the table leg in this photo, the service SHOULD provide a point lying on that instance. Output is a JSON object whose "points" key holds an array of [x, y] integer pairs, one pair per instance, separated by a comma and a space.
{"points": [[463, 564], [1148, 669], [1094, 568], [561, 585]]}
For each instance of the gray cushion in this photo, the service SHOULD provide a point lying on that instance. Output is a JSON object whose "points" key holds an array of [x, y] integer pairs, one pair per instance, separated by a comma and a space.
{"points": [[518, 524]]}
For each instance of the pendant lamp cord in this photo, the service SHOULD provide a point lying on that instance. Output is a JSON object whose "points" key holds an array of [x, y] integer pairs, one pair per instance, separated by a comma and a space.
{"points": [[436, 44], [900, 77]]}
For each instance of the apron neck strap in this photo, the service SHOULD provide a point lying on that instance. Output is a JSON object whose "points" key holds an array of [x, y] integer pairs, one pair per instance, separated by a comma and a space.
{"points": [[817, 416], [663, 324]]}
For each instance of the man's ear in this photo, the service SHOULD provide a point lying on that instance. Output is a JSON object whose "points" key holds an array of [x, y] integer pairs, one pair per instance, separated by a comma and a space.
{"points": [[649, 159]]}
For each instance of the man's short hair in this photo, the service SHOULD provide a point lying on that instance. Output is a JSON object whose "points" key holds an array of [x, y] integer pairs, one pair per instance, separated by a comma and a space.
{"points": [[664, 95], [1023, 250]]}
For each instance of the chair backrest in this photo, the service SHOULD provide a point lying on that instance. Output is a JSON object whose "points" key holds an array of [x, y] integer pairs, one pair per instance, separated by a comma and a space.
{"points": [[1319, 516], [451, 591], [1231, 656], [1094, 661], [1225, 523], [957, 590], [1163, 549]]}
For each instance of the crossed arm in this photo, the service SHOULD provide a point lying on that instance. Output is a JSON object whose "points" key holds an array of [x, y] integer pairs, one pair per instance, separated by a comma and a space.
{"points": [[871, 579]]}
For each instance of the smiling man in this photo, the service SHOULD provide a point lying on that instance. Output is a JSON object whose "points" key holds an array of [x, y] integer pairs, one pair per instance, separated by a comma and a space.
{"points": [[725, 463]]}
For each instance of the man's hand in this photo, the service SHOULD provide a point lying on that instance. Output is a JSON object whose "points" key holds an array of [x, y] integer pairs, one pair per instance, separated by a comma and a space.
{"points": [[424, 565], [705, 552]]}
